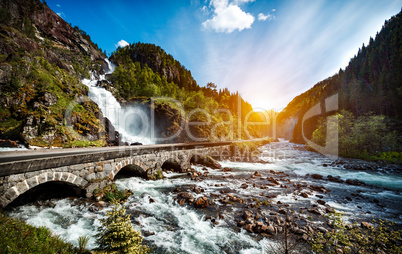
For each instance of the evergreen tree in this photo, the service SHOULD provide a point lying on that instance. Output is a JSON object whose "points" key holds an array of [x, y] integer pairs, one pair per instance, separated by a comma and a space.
{"points": [[117, 234]]}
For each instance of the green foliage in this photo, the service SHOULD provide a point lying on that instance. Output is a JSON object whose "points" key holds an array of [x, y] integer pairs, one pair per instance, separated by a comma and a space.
{"points": [[82, 243], [366, 137], [117, 234], [18, 237], [249, 146], [380, 238], [146, 70], [110, 194], [370, 83]]}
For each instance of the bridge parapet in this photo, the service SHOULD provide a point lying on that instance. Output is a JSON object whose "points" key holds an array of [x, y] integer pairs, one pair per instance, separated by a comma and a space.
{"points": [[94, 170]]}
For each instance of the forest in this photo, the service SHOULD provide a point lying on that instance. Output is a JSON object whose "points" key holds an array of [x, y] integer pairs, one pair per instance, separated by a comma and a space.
{"points": [[369, 92]]}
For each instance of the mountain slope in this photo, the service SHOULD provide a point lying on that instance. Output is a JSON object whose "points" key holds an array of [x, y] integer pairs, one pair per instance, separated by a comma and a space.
{"points": [[146, 70], [42, 59], [370, 83]]}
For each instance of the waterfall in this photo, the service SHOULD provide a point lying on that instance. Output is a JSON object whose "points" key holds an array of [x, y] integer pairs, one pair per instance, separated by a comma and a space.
{"points": [[132, 122]]}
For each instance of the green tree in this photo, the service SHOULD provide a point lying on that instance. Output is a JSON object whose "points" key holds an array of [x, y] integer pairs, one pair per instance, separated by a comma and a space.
{"points": [[117, 234]]}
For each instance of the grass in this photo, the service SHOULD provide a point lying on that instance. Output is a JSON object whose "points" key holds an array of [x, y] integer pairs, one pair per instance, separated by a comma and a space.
{"points": [[18, 237]]}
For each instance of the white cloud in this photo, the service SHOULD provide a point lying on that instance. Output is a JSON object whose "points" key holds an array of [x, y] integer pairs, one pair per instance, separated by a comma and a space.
{"points": [[228, 17], [242, 1], [122, 44], [263, 17], [58, 5]]}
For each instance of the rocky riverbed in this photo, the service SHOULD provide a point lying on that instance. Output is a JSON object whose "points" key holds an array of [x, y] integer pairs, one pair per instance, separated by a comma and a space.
{"points": [[239, 208]]}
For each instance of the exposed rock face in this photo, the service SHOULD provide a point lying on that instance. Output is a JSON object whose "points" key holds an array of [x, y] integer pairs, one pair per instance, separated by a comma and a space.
{"points": [[48, 25], [44, 60]]}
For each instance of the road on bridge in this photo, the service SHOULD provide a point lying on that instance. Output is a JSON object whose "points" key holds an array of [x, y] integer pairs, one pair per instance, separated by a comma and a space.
{"points": [[13, 156]]}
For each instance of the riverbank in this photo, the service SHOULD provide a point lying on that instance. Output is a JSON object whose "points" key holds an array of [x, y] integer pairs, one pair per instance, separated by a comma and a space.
{"points": [[286, 179]]}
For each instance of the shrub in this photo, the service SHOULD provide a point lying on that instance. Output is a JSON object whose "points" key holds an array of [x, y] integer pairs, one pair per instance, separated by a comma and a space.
{"points": [[380, 238], [18, 237], [117, 234]]}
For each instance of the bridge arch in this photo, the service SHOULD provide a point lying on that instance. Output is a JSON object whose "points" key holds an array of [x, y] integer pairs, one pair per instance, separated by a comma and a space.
{"points": [[130, 167], [15, 191], [173, 164]]}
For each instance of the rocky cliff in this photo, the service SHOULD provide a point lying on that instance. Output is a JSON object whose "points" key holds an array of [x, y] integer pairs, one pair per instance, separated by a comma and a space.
{"points": [[42, 59]]}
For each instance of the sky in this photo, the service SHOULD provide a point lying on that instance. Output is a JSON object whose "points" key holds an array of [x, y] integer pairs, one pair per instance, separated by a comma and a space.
{"points": [[269, 51]]}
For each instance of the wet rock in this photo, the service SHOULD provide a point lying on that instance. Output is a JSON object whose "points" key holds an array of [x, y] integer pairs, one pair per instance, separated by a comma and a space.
{"points": [[249, 228], [366, 225], [321, 202], [319, 188], [329, 209], [185, 195], [227, 169], [334, 179], [151, 200], [247, 215], [201, 202], [244, 186], [197, 190], [317, 176], [315, 211], [256, 173], [101, 204], [354, 182], [182, 201], [322, 229], [304, 195], [241, 223], [270, 230]]}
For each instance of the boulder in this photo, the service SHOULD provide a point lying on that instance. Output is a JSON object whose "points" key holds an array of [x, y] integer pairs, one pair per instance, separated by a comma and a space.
{"points": [[201, 202], [317, 176], [185, 195]]}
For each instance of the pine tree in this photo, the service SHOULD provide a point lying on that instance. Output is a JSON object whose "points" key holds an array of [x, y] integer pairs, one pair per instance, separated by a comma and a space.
{"points": [[117, 234]]}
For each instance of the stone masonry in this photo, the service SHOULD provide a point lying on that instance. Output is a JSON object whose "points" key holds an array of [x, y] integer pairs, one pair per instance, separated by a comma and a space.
{"points": [[92, 175]]}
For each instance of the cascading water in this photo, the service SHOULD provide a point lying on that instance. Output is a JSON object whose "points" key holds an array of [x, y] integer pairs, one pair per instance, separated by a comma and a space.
{"points": [[130, 121]]}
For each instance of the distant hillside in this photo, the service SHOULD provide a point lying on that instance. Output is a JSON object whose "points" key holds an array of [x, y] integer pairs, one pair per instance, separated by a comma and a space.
{"points": [[42, 59], [370, 84], [146, 70]]}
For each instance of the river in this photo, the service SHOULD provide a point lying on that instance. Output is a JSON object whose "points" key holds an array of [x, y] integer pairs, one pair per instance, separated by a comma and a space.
{"points": [[175, 228]]}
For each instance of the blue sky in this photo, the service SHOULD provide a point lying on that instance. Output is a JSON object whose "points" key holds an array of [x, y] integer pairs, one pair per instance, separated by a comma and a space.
{"points": [[269, 51]]}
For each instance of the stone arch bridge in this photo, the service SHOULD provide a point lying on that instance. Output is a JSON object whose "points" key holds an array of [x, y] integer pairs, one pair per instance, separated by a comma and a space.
{"points": [[91, 168]]}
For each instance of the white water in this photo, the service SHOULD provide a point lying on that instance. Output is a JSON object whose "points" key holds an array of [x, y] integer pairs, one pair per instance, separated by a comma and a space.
{"points": [[8, 149], [173, 228], [131, 122]]}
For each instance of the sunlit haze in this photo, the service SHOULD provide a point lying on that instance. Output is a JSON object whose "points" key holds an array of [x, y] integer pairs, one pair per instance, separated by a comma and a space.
{"points": [[269, 51]]}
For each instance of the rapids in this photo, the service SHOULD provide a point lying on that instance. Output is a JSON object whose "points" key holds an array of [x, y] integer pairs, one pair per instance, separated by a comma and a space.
{"points": [[174, 228]]}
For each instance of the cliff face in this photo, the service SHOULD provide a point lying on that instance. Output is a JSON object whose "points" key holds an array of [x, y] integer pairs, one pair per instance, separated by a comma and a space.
{"points": [[42, 59]]}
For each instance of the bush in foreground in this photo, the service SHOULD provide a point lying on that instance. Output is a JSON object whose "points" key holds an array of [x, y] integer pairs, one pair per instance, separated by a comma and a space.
{"points": [[117, 234], [18, 237], [365, 238]]}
